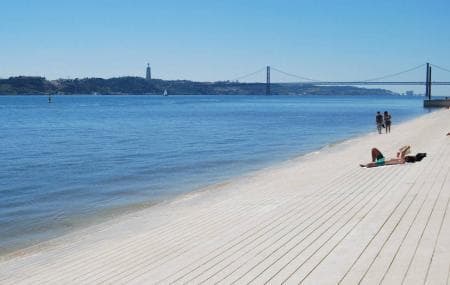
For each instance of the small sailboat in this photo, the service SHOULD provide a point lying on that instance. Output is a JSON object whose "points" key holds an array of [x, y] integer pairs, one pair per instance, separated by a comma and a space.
{"points": [[165, 92], [49, 98]]}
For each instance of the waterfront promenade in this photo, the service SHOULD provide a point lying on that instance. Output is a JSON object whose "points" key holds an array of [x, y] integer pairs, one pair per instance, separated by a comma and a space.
{"points": [[320, 219]]}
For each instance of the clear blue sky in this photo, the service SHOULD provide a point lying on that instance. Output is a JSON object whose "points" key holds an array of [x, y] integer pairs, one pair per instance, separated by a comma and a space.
{"points": [[211, 40]]}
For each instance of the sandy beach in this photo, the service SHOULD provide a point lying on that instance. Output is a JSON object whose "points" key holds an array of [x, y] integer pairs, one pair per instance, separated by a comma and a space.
{"points": [[318, 219]]}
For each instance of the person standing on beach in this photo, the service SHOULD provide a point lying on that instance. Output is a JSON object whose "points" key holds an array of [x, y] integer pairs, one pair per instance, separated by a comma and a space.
{"points": [[379, 121], [387, 121]]}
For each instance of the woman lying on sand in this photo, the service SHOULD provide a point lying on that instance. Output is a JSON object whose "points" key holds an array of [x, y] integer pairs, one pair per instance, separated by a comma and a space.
{"points": [[379, 160]]}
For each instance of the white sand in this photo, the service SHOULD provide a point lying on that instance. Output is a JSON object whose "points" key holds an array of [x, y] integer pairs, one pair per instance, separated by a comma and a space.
{"points": [[320, 219]]}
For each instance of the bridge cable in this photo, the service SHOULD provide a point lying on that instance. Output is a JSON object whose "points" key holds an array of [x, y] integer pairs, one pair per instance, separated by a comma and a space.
{"points": [[316, 80], [296, 76], [393, 74], [440, 67], [248, 74], [367, 80]]}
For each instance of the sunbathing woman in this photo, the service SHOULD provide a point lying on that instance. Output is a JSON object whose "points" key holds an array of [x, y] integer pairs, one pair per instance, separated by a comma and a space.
{"points": [[379, 160]]}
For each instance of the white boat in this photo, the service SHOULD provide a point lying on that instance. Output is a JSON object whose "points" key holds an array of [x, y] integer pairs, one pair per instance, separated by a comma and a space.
{"points": [[165, 92]]}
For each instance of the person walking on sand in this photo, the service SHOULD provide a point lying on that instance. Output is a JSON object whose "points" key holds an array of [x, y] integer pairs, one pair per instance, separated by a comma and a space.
{"points": [[379, 121], [387, 121]]}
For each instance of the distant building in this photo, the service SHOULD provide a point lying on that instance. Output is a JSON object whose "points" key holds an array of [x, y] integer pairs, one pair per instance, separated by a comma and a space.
{"points": [[148, 74]]}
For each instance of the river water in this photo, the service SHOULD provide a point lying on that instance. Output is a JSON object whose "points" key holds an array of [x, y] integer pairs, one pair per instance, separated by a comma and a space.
{"points": [[83, 159]]}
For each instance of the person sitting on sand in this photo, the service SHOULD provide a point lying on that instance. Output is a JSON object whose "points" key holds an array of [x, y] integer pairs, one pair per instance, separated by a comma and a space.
{"points": [[379, 160]]}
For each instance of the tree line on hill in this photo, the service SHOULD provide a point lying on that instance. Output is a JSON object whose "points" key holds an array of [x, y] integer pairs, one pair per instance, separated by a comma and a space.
{"points": [[27, 85]]}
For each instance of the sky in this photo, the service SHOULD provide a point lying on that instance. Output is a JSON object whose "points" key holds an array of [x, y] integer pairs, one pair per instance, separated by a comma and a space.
{"points": [[212, 40]]}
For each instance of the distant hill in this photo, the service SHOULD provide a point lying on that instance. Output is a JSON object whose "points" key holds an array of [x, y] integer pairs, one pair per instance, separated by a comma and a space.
{"points": [[24, 85]]}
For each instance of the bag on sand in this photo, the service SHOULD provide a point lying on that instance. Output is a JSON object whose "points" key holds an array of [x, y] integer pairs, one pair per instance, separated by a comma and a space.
{"points": [[410, 158], [414, 158], [420, 156]]}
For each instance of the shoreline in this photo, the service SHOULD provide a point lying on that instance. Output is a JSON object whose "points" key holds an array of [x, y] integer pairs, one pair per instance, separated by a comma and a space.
{"points": [[111, 215], [258, 228]]}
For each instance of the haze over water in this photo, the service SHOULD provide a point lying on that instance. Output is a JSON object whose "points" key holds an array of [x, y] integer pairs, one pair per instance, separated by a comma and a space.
{"points": [[87, 158]]}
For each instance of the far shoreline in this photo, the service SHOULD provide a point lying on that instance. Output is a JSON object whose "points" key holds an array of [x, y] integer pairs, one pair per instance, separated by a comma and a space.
{"points": [[139, 85]]}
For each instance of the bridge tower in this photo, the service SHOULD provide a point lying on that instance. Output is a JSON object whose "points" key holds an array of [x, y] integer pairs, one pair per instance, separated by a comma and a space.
{"points": [[428, 82], [268, 80]]}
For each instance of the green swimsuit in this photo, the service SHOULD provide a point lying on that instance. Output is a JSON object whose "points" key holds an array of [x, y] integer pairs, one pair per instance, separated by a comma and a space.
{"points": [[380, 160]]}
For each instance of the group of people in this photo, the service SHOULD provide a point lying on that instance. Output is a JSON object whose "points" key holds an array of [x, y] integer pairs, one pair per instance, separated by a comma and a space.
{"points": [[383, 121], [378, 158]]}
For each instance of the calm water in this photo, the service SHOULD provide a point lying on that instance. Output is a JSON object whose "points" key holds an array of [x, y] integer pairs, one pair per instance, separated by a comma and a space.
{"points": [[84, 157]]}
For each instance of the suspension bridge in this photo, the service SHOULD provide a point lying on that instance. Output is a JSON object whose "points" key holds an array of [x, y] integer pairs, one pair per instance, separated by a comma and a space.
{"points": [[381, 80]]}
